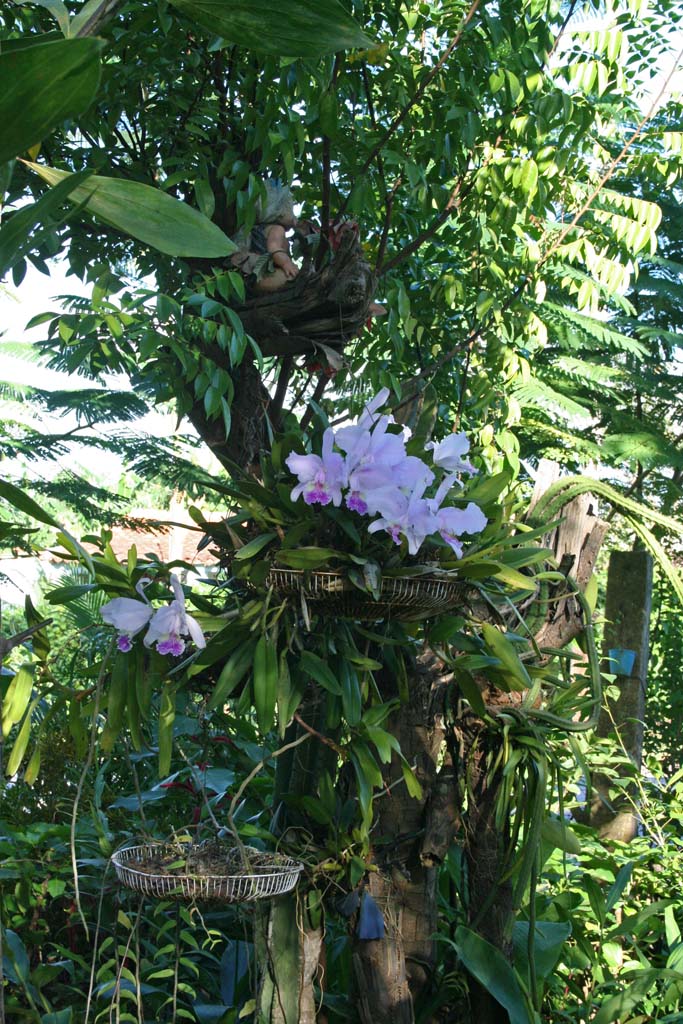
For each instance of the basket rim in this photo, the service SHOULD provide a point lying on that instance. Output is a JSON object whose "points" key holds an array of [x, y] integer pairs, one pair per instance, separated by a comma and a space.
{"points": [[273, 871]]}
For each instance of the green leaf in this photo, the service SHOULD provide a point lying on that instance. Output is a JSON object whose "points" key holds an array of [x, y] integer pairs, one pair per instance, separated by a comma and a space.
{"points": [[306, 558], [16, 497], [265, 682], [559, 835], [254, 546], [315, 667], [549, 938], [146, 213], [56, 9], [620, 1005], [17, 698], [18, 234], [619, 884], [411, 780], [42, 85], [300, 28], [351, 695], [233, 672], [491, 969], [21, 742], [498, 644], [166, 720]]}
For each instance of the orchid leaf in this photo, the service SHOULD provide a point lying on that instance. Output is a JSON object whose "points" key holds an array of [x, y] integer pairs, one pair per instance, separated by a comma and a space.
{"points": [[301, 28], [147, 214], [42, 85]]}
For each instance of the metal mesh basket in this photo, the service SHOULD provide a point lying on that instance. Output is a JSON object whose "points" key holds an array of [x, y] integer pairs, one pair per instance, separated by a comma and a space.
{"points": [[272, 876], [401, 597]]}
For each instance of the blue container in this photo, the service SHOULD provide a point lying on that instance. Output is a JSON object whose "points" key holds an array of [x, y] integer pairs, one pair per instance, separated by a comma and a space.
{"points": [[621, 660]]}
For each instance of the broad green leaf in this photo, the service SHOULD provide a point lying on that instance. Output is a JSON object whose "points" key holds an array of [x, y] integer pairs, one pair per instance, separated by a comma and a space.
{"points": [[300, 28], [82, 23], [351, 695], [116, 701], [315, 667], [146, 213], [411, 780], [265, 682], [491, 969], [617, 1007], [42, 85]]}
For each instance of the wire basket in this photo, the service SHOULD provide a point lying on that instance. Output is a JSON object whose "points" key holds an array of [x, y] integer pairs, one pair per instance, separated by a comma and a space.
{"points": [[330, 592], [271, 874]]}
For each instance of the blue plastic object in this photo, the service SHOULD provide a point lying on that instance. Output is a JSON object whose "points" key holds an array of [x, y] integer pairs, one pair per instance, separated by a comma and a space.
{"points": [[622, 660], [370, 920]]}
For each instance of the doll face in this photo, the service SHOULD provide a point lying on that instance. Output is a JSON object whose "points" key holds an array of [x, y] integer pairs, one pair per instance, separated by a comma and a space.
{"points": [[287, 219]]}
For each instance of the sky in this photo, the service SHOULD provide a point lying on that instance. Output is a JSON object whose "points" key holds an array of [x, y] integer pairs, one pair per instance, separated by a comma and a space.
{"points": [[37, 294]]}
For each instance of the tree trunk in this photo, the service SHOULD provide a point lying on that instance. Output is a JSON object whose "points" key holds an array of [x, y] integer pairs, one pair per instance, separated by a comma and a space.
{"points": [[410, 837]]}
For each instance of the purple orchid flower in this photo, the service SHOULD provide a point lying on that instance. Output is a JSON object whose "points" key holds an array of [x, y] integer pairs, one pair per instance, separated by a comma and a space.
{"points": [[169, 624], [448, 454], [408, 515], [452, 522], [320, 478]]}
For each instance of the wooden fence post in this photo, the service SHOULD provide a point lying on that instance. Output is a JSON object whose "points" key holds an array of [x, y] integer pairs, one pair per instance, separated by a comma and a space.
{"points": [[628, 605]]}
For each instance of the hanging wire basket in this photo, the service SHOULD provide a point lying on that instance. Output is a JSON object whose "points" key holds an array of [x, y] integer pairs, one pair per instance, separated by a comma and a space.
{"points": [[330, 592], [166, 871]]}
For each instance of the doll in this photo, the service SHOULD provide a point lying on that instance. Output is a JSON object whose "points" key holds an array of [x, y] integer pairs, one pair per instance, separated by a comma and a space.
{"points": [[264, 257]]}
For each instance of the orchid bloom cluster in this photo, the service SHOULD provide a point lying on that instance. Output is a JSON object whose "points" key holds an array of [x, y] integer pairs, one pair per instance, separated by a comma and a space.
{"points": [[377, 477], [166, 626]]}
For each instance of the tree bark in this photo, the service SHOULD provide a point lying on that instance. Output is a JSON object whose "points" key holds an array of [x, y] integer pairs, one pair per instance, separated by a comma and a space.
{"points": [[410, 838]]}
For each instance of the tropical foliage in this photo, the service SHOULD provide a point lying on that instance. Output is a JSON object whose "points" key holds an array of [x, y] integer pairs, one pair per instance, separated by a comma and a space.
{"points": [[504, 180]]}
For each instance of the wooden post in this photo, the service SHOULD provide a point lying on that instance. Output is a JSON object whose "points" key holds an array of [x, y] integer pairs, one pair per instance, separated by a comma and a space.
{"points": [[627, 611]]}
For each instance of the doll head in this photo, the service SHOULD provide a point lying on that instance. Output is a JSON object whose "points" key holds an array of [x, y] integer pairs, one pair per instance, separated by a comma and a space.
{"points": [[278, 205]]}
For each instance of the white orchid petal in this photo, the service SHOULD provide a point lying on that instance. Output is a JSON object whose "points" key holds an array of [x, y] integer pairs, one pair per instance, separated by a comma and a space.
{"points": [[195, 631], [126, 614]]}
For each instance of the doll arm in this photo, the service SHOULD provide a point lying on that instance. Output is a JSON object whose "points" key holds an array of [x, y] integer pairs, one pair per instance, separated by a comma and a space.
{"points": [[278, 247]]}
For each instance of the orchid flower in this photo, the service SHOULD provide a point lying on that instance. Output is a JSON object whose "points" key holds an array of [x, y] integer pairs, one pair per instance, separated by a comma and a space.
{"points": [[320, 478], [171, 623], [452, 522], [407, 515], [367, 417], [448, 454], [128, 616]]}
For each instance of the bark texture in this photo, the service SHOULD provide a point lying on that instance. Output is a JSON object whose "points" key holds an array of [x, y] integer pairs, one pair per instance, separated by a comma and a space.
{"points": [[410, 838]]}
